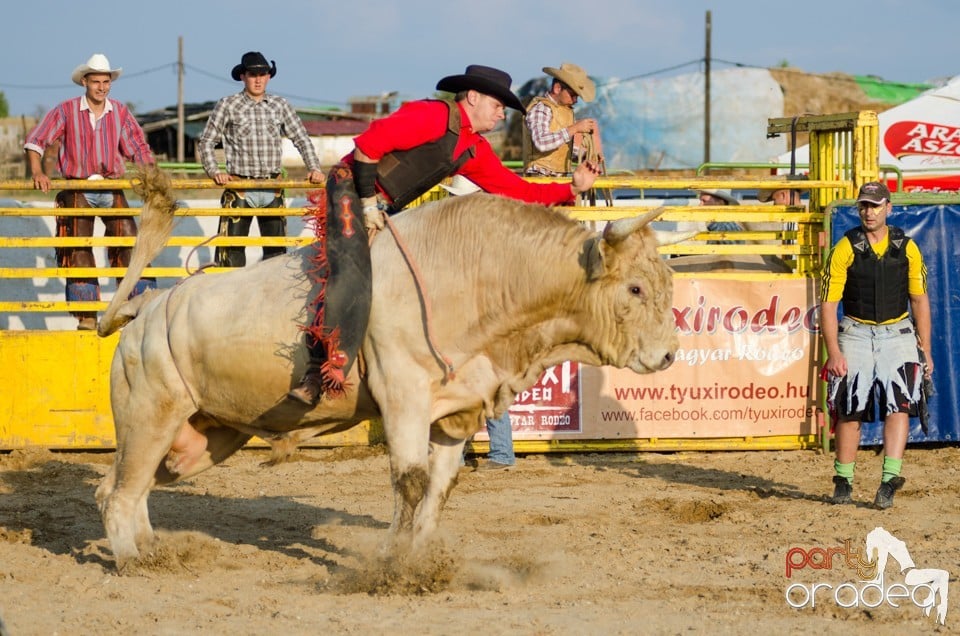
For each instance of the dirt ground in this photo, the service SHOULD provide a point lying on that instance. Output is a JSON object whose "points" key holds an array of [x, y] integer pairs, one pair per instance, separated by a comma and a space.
{"points": [[659, 543]]}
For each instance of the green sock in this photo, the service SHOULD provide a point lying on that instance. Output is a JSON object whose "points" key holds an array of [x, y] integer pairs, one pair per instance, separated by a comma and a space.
{"points": [[845, 470], [891, 468]]}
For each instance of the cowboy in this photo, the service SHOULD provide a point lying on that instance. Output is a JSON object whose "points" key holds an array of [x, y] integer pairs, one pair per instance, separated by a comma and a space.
{"points": [[720, 196], [251, 125], [550, 127], [397, 159], [96, 134]]}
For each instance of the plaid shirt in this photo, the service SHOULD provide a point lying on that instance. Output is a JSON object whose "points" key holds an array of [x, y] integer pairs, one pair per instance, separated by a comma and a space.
{"points": [[251, 132], [89, 148], [538, 123]]}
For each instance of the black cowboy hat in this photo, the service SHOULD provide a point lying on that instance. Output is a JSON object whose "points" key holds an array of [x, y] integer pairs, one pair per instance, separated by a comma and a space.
{"points": [[253, 61], [483, 79]]}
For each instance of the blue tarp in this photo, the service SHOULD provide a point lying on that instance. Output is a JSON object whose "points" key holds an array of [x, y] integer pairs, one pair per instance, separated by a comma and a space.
{"points": [[936, 229], [658, 123]]}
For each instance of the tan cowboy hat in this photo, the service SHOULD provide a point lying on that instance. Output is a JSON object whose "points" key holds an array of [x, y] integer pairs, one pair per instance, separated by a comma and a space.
{"points": [[98, 63], [574, 77], [460, 186], [486, 80]]}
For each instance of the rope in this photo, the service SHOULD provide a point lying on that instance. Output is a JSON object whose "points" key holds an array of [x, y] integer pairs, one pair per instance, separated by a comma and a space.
{"points": [[445, 362], [590, 149]]}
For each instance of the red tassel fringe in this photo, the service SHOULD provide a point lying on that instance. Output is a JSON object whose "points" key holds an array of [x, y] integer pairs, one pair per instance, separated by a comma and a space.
{"points": [[334, 383]]}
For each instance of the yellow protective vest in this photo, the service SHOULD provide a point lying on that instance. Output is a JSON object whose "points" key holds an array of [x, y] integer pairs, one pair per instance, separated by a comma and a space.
{"points": [[558, 159]]}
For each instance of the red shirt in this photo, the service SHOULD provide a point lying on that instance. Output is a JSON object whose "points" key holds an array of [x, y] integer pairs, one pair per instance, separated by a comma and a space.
{"points": [[86, 149], [420, 122]]}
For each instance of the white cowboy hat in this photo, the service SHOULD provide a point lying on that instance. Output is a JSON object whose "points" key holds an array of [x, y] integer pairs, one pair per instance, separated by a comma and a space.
{"points": [[460, 186], [574, 77], [724, 194], [98, 63]]}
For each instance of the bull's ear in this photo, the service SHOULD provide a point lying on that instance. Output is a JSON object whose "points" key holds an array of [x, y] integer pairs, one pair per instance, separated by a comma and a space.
{"points": [[593, 258]]}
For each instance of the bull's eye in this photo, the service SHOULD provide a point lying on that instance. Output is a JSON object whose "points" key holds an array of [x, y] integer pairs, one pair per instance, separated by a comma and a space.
{"points": [[636, 290]]}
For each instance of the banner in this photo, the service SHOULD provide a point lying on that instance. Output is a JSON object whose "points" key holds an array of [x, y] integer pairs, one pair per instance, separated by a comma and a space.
{"points": [[744, 368]]}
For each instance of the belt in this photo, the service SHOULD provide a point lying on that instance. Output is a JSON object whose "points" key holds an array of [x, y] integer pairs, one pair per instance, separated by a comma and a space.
{"points": [[243, 176]]}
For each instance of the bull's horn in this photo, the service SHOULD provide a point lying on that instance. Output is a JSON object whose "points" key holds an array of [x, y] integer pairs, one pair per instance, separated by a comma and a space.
{"points": [[620, 229], [665, 237]]}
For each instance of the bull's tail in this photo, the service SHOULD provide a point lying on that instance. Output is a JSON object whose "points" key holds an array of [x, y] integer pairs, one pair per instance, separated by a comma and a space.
{"points": [[156, 225]]}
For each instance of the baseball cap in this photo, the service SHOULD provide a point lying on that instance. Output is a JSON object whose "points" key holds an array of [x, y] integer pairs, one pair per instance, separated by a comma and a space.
{"points": [[873, 192]]}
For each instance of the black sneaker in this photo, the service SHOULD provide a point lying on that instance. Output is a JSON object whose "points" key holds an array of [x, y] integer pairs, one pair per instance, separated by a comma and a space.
{"points": [[885, 492], [842, 490]]}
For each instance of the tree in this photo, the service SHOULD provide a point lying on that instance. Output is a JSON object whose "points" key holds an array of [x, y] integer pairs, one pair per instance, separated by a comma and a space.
{"points": [[4, 106]]}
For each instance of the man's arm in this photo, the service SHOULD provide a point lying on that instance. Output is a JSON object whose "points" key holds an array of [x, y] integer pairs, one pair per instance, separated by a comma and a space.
{"points": [[35, 160], [836, 364], [538, 123], [488, 172], [49, 129], [920, 308], [212, 133], [301, 141], [133, 141]]}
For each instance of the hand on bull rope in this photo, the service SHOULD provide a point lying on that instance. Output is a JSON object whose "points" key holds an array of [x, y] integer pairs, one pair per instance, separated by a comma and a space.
{"points": [[373, 216]]}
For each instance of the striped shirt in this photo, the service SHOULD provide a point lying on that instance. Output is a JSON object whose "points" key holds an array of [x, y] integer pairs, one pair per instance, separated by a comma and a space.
{"points": [[91, 145], [252, 132]]}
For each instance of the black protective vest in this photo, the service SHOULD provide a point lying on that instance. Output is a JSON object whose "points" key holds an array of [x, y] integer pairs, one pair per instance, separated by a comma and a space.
{"points": [[877, 288], [406, 174]]}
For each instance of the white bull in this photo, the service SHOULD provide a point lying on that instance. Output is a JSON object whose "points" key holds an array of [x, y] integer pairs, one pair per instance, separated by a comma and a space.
{"points": [[514, 289]]}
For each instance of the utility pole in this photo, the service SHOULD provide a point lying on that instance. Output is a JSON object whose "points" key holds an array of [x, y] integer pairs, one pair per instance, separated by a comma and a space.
{"points": [[180, 122], [706, 94]]}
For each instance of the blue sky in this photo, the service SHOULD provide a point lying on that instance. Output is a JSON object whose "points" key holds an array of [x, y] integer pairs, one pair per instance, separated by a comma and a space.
{"points": [[327, 52]]}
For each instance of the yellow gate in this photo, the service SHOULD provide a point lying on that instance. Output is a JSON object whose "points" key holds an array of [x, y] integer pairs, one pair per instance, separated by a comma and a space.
{"points": [[55, 380]]}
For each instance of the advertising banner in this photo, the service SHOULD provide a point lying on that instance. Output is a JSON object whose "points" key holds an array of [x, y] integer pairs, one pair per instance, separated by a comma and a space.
{"points": [[744, 368]]}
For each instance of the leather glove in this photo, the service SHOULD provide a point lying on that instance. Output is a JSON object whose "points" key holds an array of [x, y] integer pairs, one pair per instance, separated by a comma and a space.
{"points": [[372, 214]]}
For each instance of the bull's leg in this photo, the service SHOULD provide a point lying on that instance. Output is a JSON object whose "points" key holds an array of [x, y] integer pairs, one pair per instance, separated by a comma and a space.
{"points": [[145, 432], [407, 430], [445, 455]]}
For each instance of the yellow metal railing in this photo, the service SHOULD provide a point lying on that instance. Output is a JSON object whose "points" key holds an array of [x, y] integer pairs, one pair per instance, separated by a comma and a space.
{"points": [[796, 239], [843, 155], [57, 381]]}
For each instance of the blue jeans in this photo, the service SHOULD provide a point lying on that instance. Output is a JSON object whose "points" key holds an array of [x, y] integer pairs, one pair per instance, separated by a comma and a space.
{"points": [[501, 440], [99, 199]]}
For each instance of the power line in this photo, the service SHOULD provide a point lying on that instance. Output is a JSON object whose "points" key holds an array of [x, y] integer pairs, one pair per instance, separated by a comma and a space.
{"points": [[290, 96]]}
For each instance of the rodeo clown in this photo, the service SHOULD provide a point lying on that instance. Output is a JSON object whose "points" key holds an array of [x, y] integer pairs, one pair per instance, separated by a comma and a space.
{"points": [[874, 352]]}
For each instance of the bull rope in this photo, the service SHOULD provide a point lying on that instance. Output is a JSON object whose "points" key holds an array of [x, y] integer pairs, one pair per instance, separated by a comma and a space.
{"points": [[445, 363]]}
